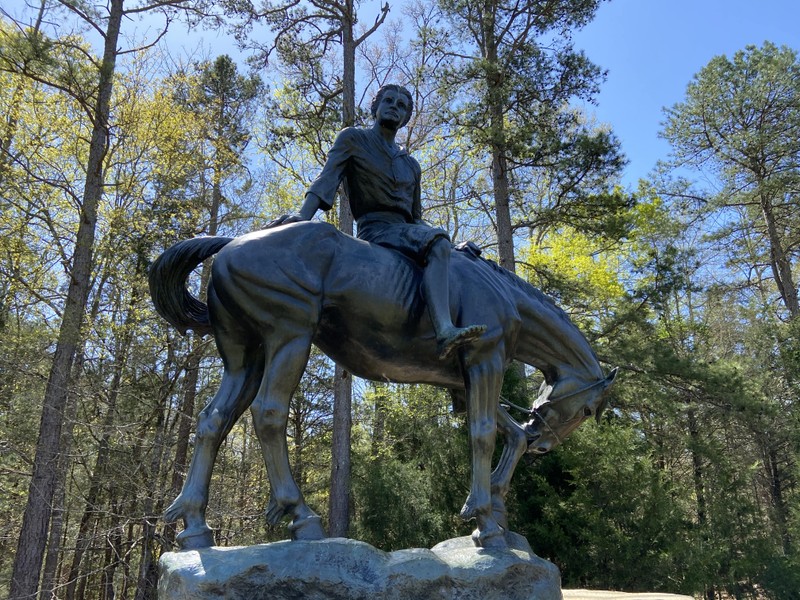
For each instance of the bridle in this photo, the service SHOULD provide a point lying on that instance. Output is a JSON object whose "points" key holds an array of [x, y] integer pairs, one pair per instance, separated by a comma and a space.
{"points": [[535, 415], [533, 412]]}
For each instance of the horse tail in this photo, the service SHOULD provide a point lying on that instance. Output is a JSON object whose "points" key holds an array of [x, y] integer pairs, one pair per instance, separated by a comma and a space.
{"points": [[167, 280]]}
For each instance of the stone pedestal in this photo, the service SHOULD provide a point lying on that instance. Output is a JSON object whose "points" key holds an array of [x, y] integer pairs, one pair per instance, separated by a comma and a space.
{"points": [[342, 569]]}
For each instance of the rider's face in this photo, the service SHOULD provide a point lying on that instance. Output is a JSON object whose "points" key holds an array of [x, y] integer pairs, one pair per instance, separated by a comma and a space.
{"points": [[392, 109]]}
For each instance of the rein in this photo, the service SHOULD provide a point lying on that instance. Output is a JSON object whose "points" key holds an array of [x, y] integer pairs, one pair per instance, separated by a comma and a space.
{"points": [[532, 411]]}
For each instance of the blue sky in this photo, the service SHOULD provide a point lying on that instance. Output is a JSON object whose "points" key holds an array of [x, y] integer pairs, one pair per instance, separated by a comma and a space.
{"points": [[652, 48]]}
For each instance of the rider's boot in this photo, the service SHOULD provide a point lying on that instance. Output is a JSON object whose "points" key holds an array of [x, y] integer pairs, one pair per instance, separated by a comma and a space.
{"points": [[436, 290]]}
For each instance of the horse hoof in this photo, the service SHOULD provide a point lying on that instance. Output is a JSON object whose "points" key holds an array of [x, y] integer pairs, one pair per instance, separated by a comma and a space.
{"points": [[307, 528], [195, 539], [495, 540]]}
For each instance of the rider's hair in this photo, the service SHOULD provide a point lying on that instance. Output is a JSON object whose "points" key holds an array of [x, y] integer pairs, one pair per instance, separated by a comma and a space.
{"points": [[397, 88]]}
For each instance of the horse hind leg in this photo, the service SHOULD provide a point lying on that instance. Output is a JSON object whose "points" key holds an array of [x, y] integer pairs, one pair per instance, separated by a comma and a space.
{"points": [[285, 363], [241, 377]]}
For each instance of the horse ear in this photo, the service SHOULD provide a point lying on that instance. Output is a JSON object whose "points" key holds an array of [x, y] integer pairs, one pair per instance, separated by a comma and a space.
{"points": [[611, 376], [544, 394]]}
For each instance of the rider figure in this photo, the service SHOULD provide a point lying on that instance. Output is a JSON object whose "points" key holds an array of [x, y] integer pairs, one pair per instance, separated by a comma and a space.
{"points": [[382, 183]]}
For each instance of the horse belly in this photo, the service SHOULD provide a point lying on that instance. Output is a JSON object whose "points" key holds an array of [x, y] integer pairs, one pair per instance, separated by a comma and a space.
{"points": [[371, 351]]}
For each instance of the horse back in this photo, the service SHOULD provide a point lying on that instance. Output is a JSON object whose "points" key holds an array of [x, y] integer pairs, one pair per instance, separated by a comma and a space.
{"points": [[373, 300], [362, 303]]}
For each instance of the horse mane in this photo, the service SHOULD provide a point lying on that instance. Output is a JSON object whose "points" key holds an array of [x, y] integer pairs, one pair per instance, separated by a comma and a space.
{"points": [[521, 284]]}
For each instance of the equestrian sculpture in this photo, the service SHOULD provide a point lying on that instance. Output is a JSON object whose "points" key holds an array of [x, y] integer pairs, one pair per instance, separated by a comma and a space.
{"points": [[382, 306]]}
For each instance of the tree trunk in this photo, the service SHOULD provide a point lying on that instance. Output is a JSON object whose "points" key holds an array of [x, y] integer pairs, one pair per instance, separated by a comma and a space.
{"points": [[779, 507], [50, 572], [339, 508], [298, 440], [697, 468], [49, 576], [98, 480], [500, 180], [505, 236], [36, 518], [90, 513], [147, 579], [699, 484], [378, 423], [779, 261], [113, 552]]}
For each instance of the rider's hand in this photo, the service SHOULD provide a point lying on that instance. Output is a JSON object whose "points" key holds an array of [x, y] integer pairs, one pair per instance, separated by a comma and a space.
{"points": [[285, 220], [310, 206]]}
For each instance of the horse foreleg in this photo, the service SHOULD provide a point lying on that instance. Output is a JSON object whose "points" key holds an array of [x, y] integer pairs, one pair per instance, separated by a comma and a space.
{"points": [[237, 389], [270, 415], [483, 382], [516, 443]]}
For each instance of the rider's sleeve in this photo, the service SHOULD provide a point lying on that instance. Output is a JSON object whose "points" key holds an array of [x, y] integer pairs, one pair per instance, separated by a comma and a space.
{"points": [[327, 182]]}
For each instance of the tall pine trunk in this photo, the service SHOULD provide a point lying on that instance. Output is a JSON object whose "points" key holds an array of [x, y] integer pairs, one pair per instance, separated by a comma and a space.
{"points": [[339, 508], [155, 480], [776, 485], [779, 260], [36, 518], [698, 477], [50, 572]]}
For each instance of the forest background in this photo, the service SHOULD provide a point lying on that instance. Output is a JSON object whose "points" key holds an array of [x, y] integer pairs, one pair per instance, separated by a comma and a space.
{"points": [[113, 147]]}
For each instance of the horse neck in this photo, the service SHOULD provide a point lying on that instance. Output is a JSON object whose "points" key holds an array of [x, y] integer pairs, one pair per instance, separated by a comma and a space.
{"points": [[551, 342]]}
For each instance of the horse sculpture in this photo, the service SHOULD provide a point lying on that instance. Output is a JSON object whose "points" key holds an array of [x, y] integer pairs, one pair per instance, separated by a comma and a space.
{"points": [[274, 293]]}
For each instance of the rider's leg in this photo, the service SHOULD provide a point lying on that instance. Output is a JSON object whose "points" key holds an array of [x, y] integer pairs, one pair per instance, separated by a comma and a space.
{"points": [[436, 290]]}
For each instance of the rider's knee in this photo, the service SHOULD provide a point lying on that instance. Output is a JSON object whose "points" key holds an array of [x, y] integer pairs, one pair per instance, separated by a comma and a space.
{"points": [[439, 249]]}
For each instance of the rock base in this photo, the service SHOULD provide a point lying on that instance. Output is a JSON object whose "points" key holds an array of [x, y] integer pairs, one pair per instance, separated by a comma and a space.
{"points": [[342, 569], [608, 595]]}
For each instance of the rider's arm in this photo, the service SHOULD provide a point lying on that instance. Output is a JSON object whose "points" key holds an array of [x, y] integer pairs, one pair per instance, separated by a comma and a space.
{"points": [[322, 191], [326, 184], [307, 212], [310, 206]]}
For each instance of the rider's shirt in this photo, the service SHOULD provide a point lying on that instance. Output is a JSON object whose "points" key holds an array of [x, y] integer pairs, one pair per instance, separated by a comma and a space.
{"points": [[376, 178], [383, 186]]}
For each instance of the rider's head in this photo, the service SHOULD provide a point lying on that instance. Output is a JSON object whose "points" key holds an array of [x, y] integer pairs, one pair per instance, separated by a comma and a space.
{"points": [[395, 88]]}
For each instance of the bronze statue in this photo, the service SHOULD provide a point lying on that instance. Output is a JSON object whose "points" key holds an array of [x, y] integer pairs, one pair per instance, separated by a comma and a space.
{"points": [[382, 184], [275, 292]]}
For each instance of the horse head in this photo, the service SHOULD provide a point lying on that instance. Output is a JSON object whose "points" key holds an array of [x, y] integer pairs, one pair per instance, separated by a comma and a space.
{"points": [[561, 407]]}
